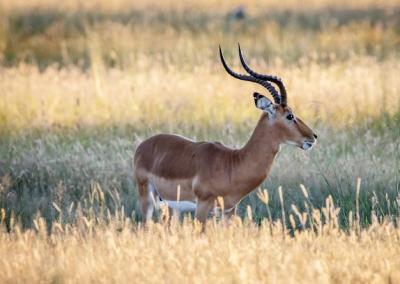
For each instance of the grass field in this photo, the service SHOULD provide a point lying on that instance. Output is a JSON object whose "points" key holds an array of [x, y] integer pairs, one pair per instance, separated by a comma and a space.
{"points": [[119, 253], [81, 84]]}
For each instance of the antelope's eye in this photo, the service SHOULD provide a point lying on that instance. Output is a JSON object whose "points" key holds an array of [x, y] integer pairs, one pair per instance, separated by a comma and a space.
{"points": [[290, 116]]}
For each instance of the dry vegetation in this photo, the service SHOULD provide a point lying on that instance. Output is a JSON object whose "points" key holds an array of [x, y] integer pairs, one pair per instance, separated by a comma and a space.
{"points": [[82, 83], [120, 253]]}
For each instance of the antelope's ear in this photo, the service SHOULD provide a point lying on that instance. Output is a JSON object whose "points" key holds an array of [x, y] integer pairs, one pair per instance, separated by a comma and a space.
{"points": [[264, 104]]}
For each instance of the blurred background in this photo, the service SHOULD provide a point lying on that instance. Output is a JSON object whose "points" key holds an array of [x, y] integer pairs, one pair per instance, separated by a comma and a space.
{"points": [[83, 82]]}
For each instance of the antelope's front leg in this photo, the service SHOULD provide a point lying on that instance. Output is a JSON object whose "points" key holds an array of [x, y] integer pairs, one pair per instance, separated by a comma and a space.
{"points": [[202, 209]]}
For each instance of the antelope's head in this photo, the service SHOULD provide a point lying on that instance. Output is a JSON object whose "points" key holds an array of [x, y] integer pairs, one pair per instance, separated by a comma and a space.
{"points": [[288, 128]]}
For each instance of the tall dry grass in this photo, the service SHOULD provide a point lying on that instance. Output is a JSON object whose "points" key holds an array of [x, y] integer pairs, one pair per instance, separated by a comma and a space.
{"points": [[118, 251], [336, 95]]}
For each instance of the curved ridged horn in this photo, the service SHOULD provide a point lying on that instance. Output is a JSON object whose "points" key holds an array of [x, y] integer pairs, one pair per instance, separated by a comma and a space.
{"points": [[265, 84], [270, 78]]}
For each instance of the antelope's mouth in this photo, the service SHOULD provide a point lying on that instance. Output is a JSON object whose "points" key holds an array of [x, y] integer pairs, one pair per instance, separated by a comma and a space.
{"points": [[308, 144]]}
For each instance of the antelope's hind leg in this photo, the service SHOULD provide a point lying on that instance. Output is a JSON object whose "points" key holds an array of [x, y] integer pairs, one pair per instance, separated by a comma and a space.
{"points": [[146, 200]]}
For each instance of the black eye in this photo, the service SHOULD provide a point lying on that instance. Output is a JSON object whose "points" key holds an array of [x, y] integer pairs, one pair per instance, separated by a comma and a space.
{"points": [[290, 117]]}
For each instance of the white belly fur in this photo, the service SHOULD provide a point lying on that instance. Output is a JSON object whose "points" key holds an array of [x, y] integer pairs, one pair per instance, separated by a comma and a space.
{"points": [[157, 186], [181, 206]]}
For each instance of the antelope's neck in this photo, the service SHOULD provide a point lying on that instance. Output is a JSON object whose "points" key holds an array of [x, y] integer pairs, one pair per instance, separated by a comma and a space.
{"points": [[259, 153]]}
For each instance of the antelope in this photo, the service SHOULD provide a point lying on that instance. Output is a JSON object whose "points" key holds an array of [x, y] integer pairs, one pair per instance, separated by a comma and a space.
{"points": [[168, 167]]}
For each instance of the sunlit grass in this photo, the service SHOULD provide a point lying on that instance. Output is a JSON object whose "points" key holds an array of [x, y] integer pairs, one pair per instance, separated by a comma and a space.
{"points": [[339, 94]]}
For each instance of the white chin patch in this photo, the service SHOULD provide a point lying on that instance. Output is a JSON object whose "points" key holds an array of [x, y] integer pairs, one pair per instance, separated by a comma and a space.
{"points": [[307, 146]]}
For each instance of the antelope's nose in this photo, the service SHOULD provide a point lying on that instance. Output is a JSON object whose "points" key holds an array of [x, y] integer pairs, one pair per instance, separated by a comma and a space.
{"points": [[315, 136]]}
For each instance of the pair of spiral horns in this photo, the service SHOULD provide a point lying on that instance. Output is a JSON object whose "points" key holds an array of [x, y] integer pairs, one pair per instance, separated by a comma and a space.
{"points": [[263, 80]]}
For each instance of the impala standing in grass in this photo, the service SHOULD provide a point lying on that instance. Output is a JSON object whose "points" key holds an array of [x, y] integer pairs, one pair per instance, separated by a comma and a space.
{"points": [[204, 171]]}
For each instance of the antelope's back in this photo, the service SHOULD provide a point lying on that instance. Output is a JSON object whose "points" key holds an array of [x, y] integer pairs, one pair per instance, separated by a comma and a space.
{"points": [[168, 156]]}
